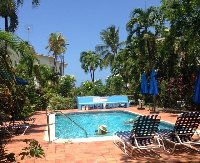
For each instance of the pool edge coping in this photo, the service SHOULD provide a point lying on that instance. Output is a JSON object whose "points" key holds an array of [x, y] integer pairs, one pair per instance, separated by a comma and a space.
{"points": [[90, 139]]}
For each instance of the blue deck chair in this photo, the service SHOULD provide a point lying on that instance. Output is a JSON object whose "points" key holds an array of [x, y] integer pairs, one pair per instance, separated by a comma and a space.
{"points": [[185, 127], [142, 136]]}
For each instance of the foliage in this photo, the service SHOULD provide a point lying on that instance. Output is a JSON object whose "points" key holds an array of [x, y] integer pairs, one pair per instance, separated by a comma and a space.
{"points": [[111, 46], [33, 149], [44, 76], [8, 11], [67, 86], [56, 45], [176, 89], [41, 100], [95, 88], [124, 65], [58, 102], [13, 101], [115, 85], [90, 61]]}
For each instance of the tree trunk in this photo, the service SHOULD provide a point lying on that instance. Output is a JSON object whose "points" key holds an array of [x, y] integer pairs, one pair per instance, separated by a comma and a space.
{"points": [[63, 65], [93, 76], [6, 24], [149, 53], [55, 59]]}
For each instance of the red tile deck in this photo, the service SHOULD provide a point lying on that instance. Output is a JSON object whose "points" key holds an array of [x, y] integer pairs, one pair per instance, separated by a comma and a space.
{"points": [[93, 152]]}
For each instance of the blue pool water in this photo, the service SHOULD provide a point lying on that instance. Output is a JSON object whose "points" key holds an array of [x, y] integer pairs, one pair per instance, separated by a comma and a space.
{"points": [[114, 120]]}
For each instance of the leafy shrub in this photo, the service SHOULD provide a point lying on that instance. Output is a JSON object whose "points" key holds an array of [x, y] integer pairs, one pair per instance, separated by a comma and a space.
{"points": [[89, 88], [33, 149], [60, 103], [115, 85], [176, 89], [66, 86]]}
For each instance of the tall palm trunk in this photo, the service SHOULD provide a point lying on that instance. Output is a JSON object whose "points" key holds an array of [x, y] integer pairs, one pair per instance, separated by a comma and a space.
{"points": [[93, 76], [55, 66], [6, 24]]}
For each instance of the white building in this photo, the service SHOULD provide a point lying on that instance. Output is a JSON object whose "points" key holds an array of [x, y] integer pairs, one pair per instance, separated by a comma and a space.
{"points": [[49, 61], [42, 59]]}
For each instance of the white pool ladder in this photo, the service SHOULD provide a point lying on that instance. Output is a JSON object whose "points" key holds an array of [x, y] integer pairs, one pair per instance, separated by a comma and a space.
{"points": [[59, 112]]}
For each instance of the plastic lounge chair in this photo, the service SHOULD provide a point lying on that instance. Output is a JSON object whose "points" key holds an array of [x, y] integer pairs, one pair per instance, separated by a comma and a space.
{"points": [[142, 136], [185, 127]]}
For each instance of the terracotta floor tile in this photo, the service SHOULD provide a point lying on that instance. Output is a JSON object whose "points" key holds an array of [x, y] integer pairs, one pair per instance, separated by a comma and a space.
{"points": [[104, 151]]}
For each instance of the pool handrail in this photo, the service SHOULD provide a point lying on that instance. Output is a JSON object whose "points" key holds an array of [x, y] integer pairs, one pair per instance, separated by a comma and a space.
{"points": [[56, 111]]}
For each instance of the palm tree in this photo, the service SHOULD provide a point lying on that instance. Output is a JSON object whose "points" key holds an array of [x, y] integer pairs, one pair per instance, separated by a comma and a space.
{"points": [[146, 26], [109, 49], [90, 61], [57, 45], [8, 11]]}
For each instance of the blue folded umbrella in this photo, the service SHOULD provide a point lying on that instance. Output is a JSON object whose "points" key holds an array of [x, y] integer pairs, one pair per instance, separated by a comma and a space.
{"points": [[153, 83], [20, 81], [143, 85], [196, 97]]}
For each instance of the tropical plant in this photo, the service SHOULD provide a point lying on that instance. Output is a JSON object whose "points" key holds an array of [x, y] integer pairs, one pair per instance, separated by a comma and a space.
{"points": [[56, 45], [67, 86], [44, 75], [12, 101], [58, 102], [183, 39], [8, 11], [124, 65], [25, 67], [33, 149], [115, 85], [111, 46], [90, 61], [146, 26], [88, 88]]}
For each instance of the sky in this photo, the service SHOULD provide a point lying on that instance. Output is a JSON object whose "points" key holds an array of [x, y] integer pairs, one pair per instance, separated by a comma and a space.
{"points": [[80, 22]]}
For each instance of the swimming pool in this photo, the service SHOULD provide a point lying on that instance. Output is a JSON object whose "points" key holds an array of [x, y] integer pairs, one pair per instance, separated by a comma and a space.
{"points": [[114, 120]]}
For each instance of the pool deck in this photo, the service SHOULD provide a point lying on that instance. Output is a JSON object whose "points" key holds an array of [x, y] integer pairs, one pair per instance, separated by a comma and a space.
{"points": [[93, 152]]}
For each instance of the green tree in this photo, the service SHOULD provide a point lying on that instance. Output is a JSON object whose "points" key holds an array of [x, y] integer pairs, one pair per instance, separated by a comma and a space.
{"points": [[57, 45], [67, 86], [115, 85], [25, 68], [44, 75], [146, 26], [125, 65], [89, 88], [8, 11], [90, 61], [183, 40], [13, 96], [111, 46]]}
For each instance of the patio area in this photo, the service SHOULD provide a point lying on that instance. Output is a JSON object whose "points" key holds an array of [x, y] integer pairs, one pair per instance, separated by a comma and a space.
{"points": [[101, 151]]}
